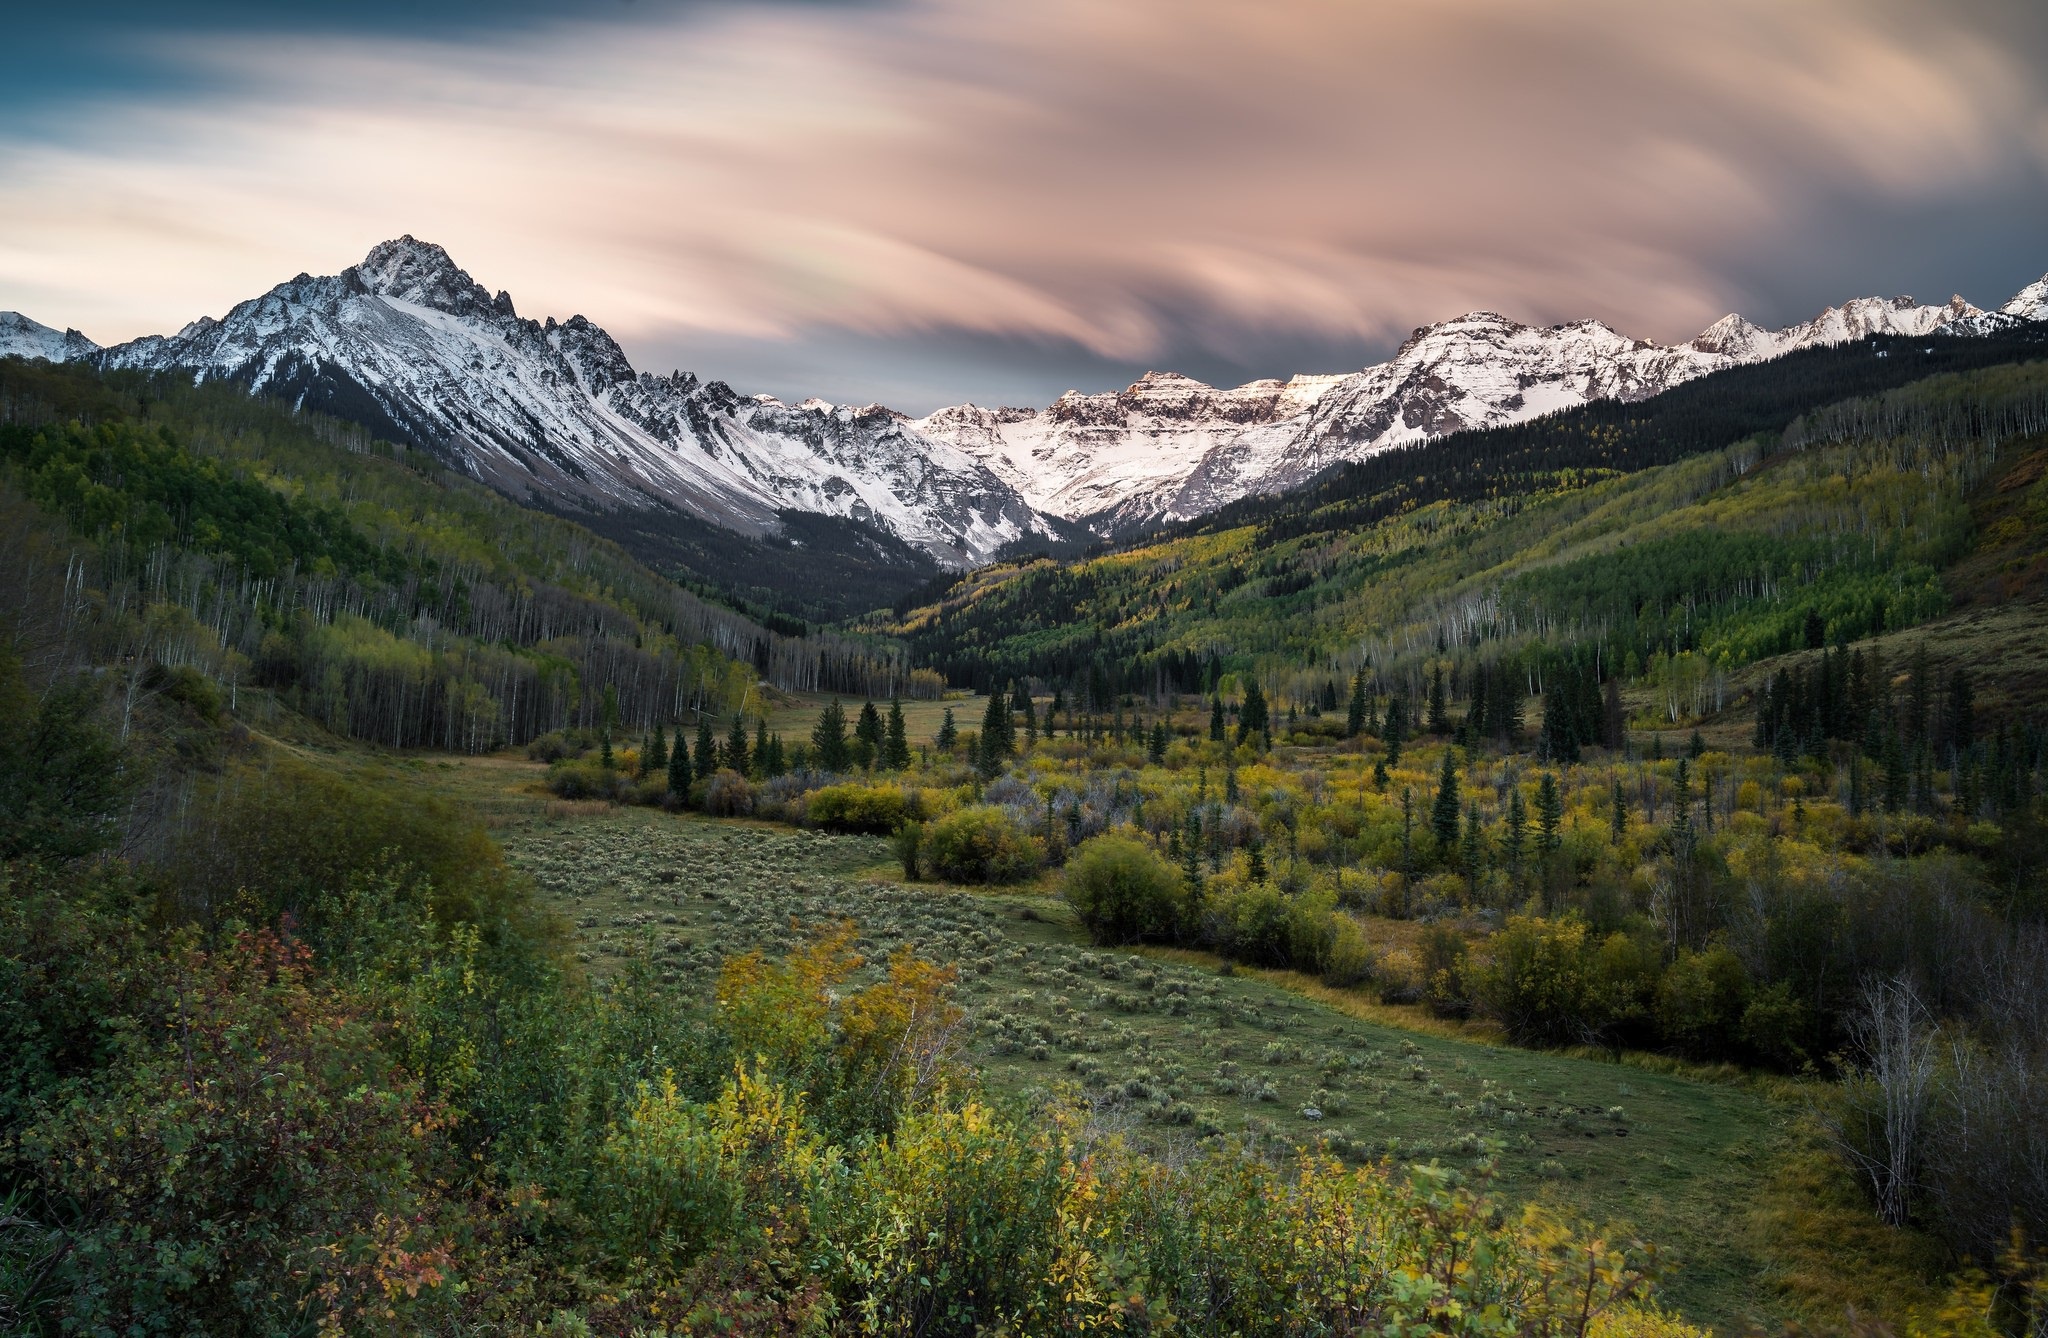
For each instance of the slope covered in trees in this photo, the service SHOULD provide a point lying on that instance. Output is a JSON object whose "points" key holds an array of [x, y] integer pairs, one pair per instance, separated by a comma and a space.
{"points": [[359, 583]]}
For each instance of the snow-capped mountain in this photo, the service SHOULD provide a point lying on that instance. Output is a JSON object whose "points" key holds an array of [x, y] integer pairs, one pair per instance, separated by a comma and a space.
{"points": [[21, 337], [1172, 448], [553, 413]]}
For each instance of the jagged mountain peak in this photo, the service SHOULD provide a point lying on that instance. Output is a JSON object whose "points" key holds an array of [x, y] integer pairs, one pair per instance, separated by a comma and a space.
{"points": [[423, 274], [21, 337], [554, 413], [1169, 449]]}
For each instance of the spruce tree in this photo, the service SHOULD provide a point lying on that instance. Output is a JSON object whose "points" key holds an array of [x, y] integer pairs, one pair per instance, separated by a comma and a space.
{"points": [[736, 745], [1443, 814], [776, 761], [1612, 720], [1439, 714], [707, 748], [1251, 713], [1549, 814], [1157, 752], [1620, 818], [1020, 703], [1516, 838], [761, 771], [1216, 719], [949, 733], [654, 757], [1354, 717], [895, 743], [867, 736], [828, 737], [1379, 773], [1396, 730], [997, 732], [1255, 862], [1472, 850], [1052, 712], [679, 769]]}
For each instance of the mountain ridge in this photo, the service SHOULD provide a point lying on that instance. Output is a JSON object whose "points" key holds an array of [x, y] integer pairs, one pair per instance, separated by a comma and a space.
{"points": [[554, 414]]}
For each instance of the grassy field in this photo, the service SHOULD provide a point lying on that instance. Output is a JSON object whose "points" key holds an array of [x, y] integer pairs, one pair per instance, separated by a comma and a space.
{"points": [[1166, 1044], [796, 712]]}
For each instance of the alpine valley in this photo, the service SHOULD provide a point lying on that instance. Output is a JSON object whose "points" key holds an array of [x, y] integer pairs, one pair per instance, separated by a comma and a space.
{"points": [[743, 492]]}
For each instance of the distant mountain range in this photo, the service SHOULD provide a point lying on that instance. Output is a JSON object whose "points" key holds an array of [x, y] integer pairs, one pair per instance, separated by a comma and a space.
{"points": [[554, 415]]}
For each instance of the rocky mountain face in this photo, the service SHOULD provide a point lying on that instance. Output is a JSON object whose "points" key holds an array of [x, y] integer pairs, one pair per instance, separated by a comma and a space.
{"points": [[553, 414], [1172, 448], [21, 337]]}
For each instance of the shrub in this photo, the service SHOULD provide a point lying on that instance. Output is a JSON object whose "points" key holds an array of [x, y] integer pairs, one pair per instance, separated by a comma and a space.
{"points": [[1124, 890], [578, 778], [1701, 1000], [979, 845], [1535, 981], [728, 795], [868, 809], [1350, 959]]}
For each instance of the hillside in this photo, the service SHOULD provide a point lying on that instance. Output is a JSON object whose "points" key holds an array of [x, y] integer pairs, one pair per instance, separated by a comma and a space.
{"points": [[1484, 543], [359, 583]]}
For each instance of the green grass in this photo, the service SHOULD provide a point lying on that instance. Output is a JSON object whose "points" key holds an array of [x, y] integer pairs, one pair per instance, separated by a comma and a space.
{"points": [[1172, 1049]]}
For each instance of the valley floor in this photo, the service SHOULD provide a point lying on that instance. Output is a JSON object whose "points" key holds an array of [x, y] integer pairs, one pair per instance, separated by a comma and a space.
{"points": [[1169, 1047]]}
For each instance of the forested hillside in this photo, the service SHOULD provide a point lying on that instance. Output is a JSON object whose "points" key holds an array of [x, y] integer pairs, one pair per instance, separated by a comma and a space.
{"points": [[1837, 524], [356, 582]]}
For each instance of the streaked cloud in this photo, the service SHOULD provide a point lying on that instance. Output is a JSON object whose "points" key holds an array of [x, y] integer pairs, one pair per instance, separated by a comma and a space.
{"points": [[1135, 181]]}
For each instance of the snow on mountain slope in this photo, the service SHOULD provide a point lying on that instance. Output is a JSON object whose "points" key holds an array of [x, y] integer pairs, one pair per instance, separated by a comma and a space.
{"points": [[21, 337], [1172, 448], [555, 414]]}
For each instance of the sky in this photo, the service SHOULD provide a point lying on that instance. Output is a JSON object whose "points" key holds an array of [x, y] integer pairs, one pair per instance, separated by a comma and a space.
{"points": [[923, 202]]}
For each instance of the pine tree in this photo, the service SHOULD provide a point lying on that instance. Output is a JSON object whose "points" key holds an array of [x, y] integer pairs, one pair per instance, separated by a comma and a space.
{"points": [[1255, 863], [1517, 836], [1443, 814], [1156, 754], [1379, 773], [654, 757], [949, 733], [895, 742], [1216, 719], [998, 738], [775, 762], [761, 771], [1472, 850], [867, 736], [707, 748], [1407, 830], [1020, 703], [1396, 730], [736, 745], [1549, 815], [1697, 748], [828, 737], [1354, 717], [679, 769], [1439, 714], [1251, 714]]}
